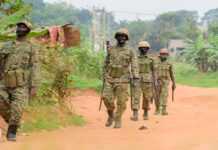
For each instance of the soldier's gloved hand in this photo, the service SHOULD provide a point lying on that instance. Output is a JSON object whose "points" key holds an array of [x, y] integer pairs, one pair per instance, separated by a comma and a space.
{"points": [[174, 86]]}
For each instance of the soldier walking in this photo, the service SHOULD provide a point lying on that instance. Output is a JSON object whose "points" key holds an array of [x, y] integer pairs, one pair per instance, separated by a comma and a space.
{"points": [[146, 74], [120, 62], [18, 78], [164, 75]]}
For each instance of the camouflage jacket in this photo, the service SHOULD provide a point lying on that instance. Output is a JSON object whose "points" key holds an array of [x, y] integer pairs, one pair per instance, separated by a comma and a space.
{"points": [[163, 69], [20, 63], [121, 63], [146, 68]]}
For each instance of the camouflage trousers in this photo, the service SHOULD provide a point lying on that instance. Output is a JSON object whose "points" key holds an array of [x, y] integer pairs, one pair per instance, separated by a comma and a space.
{"points": [[12, 104], [145, 91], [163, 93], [118, 92]]}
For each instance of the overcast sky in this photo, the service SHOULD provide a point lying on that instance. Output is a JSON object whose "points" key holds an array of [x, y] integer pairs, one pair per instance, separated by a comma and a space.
{"points": [[124, 9]]}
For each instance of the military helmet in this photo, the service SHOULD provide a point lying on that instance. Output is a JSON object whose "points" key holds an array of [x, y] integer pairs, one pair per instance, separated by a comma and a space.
{"points": [[144, 44], [26, 23], [164, 51], [122, 31]]}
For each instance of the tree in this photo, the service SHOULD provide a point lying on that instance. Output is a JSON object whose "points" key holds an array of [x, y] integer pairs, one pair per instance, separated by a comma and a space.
{"points": [[210, 16], [213, 27], [138, 30], [178, 24], [15, 11], [197, 53], [203, 53]]}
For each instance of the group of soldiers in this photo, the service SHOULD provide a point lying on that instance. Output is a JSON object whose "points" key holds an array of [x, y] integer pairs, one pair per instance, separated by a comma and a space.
{"points": [[149, 78], [18, 81]]}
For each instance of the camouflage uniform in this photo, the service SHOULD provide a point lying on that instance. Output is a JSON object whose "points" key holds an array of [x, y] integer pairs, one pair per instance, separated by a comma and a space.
{"points": [[146, 67], [164, 72], [18, 77], [120, 63]]}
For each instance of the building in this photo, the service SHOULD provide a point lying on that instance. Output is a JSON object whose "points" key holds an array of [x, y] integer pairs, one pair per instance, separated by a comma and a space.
{"points": [[176, 46]]}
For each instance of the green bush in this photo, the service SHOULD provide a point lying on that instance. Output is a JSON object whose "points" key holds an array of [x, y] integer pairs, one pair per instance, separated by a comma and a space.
{"points": [[85, 83], [41, 117], [87, 63], [188, 75]]}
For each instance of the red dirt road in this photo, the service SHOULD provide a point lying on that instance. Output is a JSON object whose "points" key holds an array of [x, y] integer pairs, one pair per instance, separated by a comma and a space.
{"points": [[191, 125]]}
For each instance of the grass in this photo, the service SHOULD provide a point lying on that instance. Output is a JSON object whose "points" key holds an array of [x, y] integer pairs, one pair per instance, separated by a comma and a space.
{"points": [[48, 118], [46, 115], [188, 75], [85, 83], [185, 74]]}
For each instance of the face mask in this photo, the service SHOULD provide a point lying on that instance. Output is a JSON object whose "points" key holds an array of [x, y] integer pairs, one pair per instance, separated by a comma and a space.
{"points": [[163, 58], [21, 32], [143, 50]]}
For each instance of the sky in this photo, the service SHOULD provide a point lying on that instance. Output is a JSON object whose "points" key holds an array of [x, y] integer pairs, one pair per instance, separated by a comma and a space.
{"points": [[144, 9]]}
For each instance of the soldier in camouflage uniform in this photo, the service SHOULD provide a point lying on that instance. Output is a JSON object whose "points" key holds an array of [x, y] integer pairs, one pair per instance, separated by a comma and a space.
{"points": [[164, 75], [18, 78], [146, 73], [120, 63]]}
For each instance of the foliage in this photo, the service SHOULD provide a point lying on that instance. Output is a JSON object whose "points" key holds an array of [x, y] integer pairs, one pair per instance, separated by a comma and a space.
{"points": [[55, 69], [138, 30], [210, 16], [187, 74], [213, 27], [15, 11], [41, 117], [85, 83], [49, 14], [174, 25], [203, 53], [171, 25], [33, 33], [86, 62]]}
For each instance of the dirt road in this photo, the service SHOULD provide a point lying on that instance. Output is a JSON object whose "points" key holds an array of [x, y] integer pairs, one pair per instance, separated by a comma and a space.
{"points": [[191, 125]]}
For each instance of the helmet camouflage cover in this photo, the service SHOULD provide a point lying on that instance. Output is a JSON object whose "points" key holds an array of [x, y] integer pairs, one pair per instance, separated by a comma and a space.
{"points": [[164, 51], [123, 31], [144, 44], [26, 23]]}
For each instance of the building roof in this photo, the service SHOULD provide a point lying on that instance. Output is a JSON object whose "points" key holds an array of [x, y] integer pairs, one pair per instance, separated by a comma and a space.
{"points": [[176, 43]]}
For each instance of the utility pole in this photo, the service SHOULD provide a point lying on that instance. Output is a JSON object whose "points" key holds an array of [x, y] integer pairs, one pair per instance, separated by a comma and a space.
{"points": [[68, 2], [99, 29]]}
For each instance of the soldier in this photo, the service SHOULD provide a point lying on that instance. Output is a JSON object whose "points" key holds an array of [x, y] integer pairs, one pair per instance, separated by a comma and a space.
{"points": [[146, 74], [120, 63], [18, 78], [164, 75]]}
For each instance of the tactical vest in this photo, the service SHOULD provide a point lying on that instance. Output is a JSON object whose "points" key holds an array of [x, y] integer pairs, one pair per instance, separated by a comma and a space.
{"points": [[145, 68], [17, 66], [163, 70], [119, 63]]}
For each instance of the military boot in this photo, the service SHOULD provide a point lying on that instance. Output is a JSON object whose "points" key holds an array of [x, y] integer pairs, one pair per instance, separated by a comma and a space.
{"points": [[11, 133], [164, 111], [157, 111], [118, 124], [135, 115], [145, 115], [110, 119]]}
